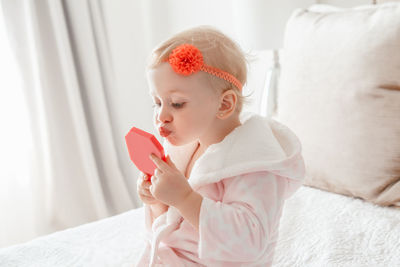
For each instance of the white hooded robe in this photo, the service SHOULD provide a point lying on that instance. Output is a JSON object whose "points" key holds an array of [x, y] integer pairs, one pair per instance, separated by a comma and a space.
{"points": [[244, 181]]}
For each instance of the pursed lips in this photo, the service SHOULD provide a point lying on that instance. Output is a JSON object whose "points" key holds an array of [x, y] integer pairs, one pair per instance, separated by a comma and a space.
{"points": [[164, 132]]}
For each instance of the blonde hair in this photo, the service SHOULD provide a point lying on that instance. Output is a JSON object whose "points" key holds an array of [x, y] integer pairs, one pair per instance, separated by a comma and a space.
{"points": [[218, 51]]}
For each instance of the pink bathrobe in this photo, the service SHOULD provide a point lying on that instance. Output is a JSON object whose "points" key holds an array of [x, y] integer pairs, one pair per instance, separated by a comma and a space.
{"points": [[244, 181]]}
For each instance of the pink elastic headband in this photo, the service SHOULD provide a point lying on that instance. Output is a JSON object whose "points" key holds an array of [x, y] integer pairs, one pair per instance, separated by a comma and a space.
{"points": [[186, 59]]}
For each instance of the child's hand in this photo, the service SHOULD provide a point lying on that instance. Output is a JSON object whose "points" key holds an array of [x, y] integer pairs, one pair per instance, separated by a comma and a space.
{"points": [[143, 190], [168, 184]]}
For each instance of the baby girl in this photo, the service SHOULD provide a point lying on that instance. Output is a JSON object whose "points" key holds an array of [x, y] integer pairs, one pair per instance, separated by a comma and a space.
{"points": [[218, 198]]}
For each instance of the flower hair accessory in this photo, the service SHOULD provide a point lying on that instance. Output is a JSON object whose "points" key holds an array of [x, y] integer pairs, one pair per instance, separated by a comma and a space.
{"points": [[187, 59]]}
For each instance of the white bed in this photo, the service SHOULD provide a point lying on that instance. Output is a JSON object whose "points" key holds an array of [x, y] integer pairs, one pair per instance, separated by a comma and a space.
{"points": [[317, 228]]}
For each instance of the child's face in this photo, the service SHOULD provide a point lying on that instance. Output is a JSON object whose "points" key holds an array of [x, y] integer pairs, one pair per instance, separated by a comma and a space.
{"points": [[184, 105]]}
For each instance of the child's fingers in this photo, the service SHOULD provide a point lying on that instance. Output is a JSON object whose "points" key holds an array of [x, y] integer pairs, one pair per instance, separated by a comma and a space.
{"points": [[145, 184], [146, 192], [143, 187], [141, 177], [144, 176], [148, 200], [161, 165]]}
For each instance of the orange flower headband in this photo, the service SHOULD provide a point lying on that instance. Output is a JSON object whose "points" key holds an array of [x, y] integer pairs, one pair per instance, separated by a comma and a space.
{"points": [[186, 59]]}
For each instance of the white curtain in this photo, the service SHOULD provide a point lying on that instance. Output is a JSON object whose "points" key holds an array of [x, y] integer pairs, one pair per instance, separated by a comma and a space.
{"points": [[82, 67], [15, 140], [63, 55]]}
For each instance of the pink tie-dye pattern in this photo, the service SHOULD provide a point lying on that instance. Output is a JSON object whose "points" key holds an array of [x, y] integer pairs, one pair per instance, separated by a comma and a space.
{"points": [[239, 229]]}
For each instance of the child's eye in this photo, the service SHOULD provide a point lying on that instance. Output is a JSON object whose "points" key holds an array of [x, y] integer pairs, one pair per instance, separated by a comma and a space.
{"points": [[175, 105]]}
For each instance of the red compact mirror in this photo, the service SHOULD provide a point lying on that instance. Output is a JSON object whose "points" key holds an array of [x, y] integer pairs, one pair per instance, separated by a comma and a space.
{"points": [[140, 145]]}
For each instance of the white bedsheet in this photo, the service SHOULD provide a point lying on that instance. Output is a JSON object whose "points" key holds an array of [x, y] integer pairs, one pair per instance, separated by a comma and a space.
{"points": [[317, 229]]}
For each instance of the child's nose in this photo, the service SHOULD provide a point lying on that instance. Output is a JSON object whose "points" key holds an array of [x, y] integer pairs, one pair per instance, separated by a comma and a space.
{"points": [[163, 114]]}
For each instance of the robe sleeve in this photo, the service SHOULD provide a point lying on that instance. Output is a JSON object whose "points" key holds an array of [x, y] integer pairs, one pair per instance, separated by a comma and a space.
{"points": [[148, 221], [238, 228]]}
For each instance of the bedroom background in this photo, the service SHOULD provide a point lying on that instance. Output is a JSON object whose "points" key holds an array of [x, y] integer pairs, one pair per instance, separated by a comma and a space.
{"points": [[73, 80]]}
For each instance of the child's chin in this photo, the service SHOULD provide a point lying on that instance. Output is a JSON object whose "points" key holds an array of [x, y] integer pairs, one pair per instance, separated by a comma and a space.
{"points": [[173, 141]]}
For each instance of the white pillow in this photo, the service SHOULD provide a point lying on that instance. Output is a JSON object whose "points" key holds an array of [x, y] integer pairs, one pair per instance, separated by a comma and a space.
{"points": [[340, 93]]}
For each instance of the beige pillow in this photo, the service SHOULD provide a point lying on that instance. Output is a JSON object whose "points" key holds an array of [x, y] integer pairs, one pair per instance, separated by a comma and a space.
{"points": [[340, 93]]}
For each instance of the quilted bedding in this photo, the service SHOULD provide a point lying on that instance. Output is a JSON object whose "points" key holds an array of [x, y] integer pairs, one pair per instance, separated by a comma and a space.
{"points": [[317, 228]]}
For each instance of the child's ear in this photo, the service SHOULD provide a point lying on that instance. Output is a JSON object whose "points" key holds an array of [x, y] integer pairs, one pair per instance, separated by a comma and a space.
{"points": [[228, 103]]}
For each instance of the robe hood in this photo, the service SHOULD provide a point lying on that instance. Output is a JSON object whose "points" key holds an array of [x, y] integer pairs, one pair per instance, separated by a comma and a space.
{"points": [[258, 144]]}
